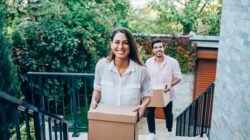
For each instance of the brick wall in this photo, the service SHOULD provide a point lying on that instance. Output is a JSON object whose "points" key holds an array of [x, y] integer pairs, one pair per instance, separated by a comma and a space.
{"points": [[231, 115]]}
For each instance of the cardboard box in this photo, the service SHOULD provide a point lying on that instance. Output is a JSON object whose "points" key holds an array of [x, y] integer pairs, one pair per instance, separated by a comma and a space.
{"points": [[159, 98], [110, 122]]}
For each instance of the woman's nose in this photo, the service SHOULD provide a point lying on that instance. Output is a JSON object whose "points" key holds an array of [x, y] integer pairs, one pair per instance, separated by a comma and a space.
{"points": [[120, 45]]}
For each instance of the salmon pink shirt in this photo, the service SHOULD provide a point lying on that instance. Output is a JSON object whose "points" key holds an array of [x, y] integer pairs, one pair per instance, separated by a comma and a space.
{"points": [[163, 74], [127, 89]]}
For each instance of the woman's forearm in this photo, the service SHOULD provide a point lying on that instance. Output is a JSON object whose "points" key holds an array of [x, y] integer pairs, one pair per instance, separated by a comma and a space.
{"points": [[95, 99], [145, 101], [96, 95]]}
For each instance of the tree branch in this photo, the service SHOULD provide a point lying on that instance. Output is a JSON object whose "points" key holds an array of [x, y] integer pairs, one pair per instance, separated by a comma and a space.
{"points": [[184, 4], [202, 8]]}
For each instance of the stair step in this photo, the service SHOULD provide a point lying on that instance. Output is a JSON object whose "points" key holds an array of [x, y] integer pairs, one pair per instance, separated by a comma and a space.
{"points": [[84, 136], [164, 137]]}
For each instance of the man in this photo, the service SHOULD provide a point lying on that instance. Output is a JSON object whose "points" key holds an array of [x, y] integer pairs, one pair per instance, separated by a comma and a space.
{"points": [[163, 70]]}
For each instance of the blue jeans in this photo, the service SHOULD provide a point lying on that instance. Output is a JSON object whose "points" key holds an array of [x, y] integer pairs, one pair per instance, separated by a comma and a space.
{"points": [[168, 115]]}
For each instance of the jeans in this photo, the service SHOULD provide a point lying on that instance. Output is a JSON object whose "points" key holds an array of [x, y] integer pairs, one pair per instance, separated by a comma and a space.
{"points": [[168, 115]]}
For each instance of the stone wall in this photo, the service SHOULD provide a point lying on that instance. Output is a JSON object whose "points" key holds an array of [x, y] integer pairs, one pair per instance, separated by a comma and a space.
{"points": [[230, 120]]}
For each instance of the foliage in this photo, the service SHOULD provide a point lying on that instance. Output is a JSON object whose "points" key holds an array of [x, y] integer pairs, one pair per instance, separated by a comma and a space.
{"points": [[212, 19], [65, 36], [32, 130], [177, 16], [145, 21], [177, 47], [9, 80]]}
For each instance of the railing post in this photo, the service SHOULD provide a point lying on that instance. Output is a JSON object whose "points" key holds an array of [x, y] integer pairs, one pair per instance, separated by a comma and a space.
{"points": [[195, 116], [184, 119], [38, 126], [55, 128], [4, 125], [65, 132], [203, 112], [189, 119], [180, 125], [25, 113], [75, 118], [210, 107], [40, 93], [50, 130], [17, 122]]}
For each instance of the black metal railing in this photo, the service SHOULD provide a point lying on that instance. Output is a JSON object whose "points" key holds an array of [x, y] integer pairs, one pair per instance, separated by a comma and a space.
{"points": [[20, 120], [196, 119], [64, 94]]}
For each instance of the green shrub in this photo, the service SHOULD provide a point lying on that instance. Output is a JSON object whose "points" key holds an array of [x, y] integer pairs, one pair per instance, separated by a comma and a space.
{"points": [[9, 80]]}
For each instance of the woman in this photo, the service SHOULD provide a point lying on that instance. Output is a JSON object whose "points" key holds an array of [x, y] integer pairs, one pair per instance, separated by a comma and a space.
{"points": [[121, 79]]}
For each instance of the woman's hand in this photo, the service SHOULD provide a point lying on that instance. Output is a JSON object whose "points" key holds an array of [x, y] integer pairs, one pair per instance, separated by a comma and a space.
{"points": [[141, 110], [93, 104]]}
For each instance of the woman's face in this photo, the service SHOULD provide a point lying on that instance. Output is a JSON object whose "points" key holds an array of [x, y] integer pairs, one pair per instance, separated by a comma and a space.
{"points": [[120, 46]]}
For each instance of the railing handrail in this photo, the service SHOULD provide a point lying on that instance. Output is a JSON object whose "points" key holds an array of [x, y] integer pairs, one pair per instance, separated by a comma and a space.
{"points": [[60, 74], [20, 103], [22, 113], [198, 98], [196, 118]]}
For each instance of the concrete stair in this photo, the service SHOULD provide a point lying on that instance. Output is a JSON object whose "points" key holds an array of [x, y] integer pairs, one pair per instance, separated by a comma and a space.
{"points": [[166, 137], [84, 136], [161, 132]]}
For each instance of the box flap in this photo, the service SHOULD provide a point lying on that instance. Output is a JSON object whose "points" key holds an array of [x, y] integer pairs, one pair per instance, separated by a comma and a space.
{"points": [[113, 113]]}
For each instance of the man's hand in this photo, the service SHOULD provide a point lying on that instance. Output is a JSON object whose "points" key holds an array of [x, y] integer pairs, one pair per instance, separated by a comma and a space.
{"points": [[167, 88], [141, 110]]}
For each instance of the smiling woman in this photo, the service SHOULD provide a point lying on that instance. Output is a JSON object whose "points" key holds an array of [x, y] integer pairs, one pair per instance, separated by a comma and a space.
{"points": [[121, 79]]}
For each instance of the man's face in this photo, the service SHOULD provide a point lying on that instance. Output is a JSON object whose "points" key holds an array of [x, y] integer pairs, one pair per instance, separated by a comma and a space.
{"points": [[158, 49]]}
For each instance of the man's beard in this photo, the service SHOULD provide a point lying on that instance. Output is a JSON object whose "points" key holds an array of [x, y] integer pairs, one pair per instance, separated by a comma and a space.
{"points": [[159, 54]]}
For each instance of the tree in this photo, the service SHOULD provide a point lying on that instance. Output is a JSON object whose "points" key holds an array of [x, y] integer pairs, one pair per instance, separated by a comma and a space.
{"points": [[72, 35], [187, 13], [9, 80], [145, 20]]}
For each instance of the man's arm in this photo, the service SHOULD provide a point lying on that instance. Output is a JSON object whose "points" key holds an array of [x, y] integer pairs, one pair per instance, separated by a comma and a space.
{"points": [[175, 81]]}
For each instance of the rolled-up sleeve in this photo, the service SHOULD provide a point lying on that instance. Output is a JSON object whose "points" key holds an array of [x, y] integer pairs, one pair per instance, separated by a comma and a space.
{"points": [[176, 70], [146, 87], [98, 72]]}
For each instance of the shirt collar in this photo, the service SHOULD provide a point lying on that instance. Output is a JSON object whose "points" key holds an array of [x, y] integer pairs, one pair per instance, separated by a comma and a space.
{"points": [[164, 61], [131, 67]]}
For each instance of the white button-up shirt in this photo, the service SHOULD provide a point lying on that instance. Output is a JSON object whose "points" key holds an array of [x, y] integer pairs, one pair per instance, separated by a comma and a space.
{"points": [[163, 74], [127, 89]]}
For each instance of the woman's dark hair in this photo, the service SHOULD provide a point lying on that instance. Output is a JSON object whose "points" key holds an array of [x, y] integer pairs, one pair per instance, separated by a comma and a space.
{"points": [[133, 53], [156, 40]]}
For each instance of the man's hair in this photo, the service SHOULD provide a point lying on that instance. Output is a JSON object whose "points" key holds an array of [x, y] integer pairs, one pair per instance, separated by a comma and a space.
{"points": [[156, 40]]}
